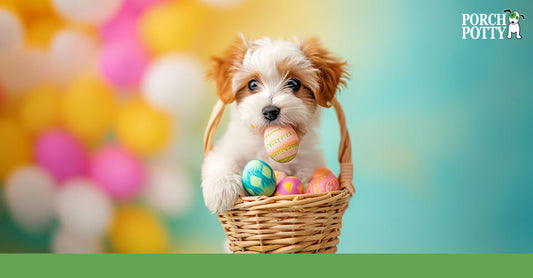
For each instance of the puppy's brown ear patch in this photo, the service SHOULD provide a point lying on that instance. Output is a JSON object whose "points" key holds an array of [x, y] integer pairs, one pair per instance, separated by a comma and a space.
{"points": [[332, 70], [224, 68]]}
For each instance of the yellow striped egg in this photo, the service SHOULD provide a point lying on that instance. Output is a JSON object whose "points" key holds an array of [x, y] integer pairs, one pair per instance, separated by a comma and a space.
{"points": [[281, 143]]}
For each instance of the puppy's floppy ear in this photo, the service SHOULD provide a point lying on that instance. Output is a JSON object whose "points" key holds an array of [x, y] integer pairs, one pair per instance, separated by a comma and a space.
{"points": [[332, 71], [224, 68]]}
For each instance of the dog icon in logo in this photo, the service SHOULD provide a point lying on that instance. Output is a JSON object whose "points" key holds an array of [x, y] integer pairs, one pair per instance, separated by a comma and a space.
{"points": [[514, 17]]}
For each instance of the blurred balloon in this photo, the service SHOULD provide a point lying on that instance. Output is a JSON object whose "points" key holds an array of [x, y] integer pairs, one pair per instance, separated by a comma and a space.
{"points": [[41, 31], [15, 147], [12, 32], [83, 11], [1, 98], [61, 154], [30, 193], [40, 108], [122, 27], [83, 208], [123, 62], [72, 52], [174, 83], [32, 8], [171, 25], [137, 6], [142, 128], [117, 171], [24, 69], [168, 189], [88, 108], [222, 4], [136, 230], [65, 241]]}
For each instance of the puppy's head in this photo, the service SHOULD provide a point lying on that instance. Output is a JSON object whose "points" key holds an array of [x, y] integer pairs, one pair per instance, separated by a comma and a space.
{"points": [[278, 82], [514, 17]]}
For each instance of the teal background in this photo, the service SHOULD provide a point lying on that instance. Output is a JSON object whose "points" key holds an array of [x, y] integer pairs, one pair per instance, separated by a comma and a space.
{"points": [[441, 130]]}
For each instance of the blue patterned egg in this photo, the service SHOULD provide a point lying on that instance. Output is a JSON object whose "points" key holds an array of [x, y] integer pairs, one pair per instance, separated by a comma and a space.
{"points": [[258, 178]]}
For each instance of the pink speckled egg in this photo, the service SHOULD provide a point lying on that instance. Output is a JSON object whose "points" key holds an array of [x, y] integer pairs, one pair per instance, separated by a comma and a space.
{"points": [[323, 171], [289, 186], [281, 143], [322, 184], [279, 176]]}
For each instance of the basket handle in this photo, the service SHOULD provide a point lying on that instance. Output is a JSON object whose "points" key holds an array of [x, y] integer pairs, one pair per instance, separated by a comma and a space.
{"points": [[345, 145]]}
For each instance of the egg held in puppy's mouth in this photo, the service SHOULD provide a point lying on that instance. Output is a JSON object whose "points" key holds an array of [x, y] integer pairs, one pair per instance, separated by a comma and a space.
{"points": [[281, 143]]}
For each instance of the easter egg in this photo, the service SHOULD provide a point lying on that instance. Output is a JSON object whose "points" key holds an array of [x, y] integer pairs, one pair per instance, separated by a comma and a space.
{"points": [[322, 184], [281, 143], [323, 171], [279, 176], [288, 186], [258, 178]]}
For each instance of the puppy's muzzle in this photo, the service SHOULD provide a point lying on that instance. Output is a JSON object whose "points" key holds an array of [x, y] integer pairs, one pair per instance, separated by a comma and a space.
{"points": [[271, 113]]}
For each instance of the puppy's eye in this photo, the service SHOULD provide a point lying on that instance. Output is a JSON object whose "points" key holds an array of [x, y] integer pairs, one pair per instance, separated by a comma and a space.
{"points": [[293, 84], [253, 85]]}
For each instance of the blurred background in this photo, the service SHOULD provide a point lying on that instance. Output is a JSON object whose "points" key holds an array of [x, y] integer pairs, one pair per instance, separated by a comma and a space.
{"points": [[103, 106]]}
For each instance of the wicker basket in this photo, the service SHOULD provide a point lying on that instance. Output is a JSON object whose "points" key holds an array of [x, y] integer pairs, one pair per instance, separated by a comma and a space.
{"points": [[306, 223]]}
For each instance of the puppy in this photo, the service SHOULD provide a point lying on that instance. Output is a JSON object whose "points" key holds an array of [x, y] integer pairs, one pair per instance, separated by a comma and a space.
{"points": [[514, 27], [268, 82]]}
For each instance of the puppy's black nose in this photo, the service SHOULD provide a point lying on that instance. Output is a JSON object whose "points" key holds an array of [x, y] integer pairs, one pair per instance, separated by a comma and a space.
{"points": [[271, 112]]}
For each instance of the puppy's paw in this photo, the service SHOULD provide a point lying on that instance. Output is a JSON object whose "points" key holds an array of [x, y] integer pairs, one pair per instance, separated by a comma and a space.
{"points": [[220, 194]]}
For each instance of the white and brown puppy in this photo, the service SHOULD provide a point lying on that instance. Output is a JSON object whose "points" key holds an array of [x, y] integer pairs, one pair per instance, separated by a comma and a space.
{"points": [[268, 82]]}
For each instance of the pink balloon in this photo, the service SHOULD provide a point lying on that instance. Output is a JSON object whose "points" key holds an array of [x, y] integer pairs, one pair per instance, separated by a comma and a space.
{"points": [[117, 171], [123, 63], [138, 6], [61, 154], [124, 25]]}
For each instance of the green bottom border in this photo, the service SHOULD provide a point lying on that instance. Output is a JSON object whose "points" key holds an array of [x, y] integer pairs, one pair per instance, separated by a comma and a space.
{"points": [[223, 265]]}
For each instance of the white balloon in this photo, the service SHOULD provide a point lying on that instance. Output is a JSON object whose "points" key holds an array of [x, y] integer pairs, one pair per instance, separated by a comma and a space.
{"points": [[72, 52], [222, 4], [168, 189], [87, 11], [24, 68], [83, 208], [30, 192], [174, 83], [66, 242], [12, 33]]}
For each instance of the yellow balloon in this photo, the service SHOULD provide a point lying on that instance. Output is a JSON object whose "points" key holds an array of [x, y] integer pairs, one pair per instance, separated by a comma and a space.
{"points": [[35, 7], [171, 26], [28, 10], [88, 108], [41, 31], [40, 109], [15, 148], [136, 230], [142, 128]]}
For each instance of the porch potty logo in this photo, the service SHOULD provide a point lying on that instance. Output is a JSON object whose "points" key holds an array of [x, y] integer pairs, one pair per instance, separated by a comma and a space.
{"points": [[492, 26]]}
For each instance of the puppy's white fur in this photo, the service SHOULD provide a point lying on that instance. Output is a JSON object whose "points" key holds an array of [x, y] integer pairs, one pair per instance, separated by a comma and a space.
{"points": [[243, 139]]}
